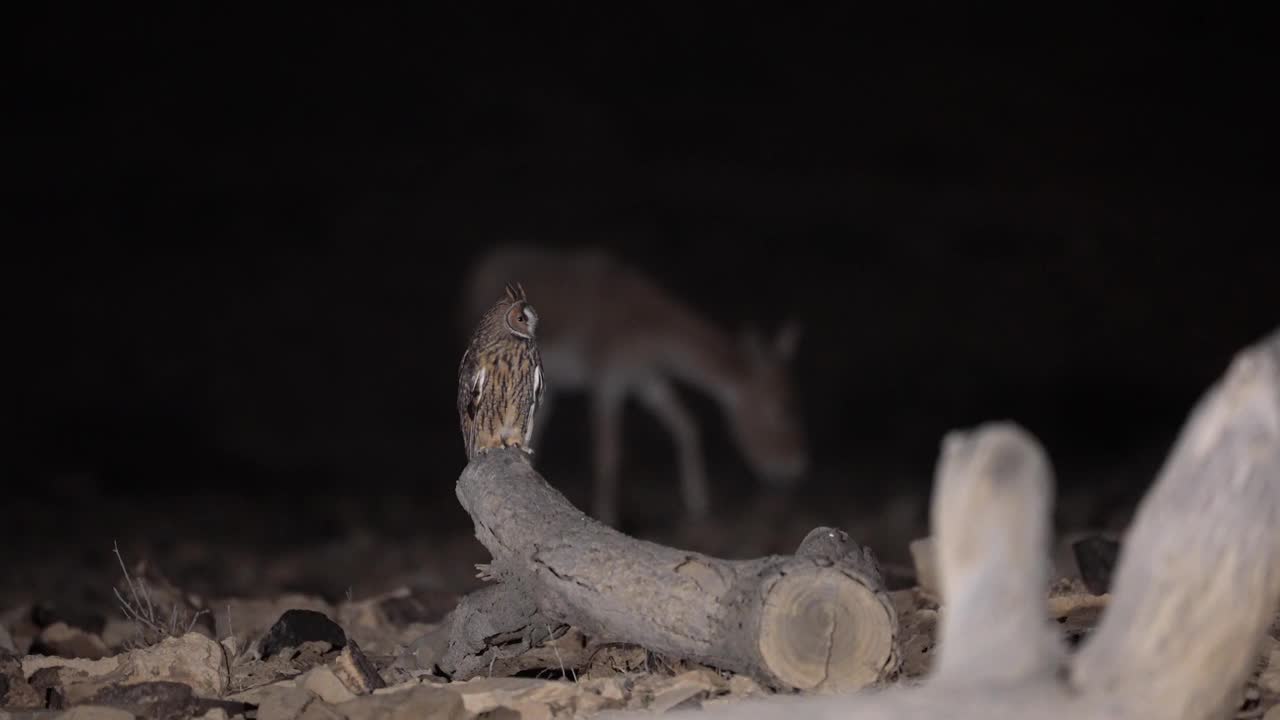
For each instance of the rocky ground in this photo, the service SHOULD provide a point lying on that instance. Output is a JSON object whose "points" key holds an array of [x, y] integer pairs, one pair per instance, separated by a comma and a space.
{"points": [[195, 605]]}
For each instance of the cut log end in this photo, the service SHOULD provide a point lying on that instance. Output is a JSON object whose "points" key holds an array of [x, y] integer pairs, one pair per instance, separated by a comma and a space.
{"points": [[822, 630]]}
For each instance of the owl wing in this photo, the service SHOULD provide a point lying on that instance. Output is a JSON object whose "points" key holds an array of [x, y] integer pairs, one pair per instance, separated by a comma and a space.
{"points": [[539, 384], [539, 387], [471, 380]]}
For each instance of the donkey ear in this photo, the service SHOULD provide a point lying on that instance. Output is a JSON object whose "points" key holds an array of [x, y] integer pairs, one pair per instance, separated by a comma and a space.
{"points": [[788, 338]]}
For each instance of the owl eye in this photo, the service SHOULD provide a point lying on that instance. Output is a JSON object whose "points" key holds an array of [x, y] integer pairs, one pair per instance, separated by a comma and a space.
{"points": [[522, 318]]}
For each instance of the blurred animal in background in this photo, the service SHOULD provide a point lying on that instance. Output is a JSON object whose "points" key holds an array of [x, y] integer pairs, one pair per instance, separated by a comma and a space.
{"points": [[500, 377], [613, 333]]}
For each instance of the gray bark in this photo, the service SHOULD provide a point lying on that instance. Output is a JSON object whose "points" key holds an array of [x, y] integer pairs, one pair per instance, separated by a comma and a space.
{"points": [[1195, 588], [819, 619], [491, 628], [1198, 576]]}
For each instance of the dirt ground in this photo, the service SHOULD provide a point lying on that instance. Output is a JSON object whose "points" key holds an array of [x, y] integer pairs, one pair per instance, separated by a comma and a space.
{"points": [[335, 543], [405, 558]]}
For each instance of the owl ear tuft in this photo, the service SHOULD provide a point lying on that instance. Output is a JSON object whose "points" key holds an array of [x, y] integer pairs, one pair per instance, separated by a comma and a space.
{"points": [[515, 292]]}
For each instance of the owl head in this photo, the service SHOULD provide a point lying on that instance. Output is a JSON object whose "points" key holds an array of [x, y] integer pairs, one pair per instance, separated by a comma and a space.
{"points": [[520, 317]]}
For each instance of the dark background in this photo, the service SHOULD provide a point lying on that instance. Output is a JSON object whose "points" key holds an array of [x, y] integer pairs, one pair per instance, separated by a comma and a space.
{"points": [[238, 238]]}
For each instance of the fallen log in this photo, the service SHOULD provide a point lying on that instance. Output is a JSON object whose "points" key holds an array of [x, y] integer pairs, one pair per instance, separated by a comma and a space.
{"points": [[818, 620], [1195, 588], [1197, 579]]}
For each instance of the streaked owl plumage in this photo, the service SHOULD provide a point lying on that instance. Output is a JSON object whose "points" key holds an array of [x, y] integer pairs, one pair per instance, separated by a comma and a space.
{"points": [[500, 381]]}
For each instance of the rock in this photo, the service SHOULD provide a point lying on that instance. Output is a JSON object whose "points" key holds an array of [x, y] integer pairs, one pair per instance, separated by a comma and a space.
{"points": [[280, 701], [919, 637], [356, 672], [323, 682], [612, 689], [730, 698], [250, 673], [1096, 557], [917, 612], [231, 647], [320, 711], [62, 640], [532, 698], [246, 619], [685, 690], [309, 655], [296, 627], [424, 702], [92, 712], [192, 659], [74, 669], [46, 679], [741, 686], [15, 691], [1067, 599], [922, 555], [162, 701]]}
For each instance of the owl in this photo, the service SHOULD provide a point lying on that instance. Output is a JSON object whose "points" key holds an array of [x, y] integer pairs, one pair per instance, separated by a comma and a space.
{"points": [[500, 378]]}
